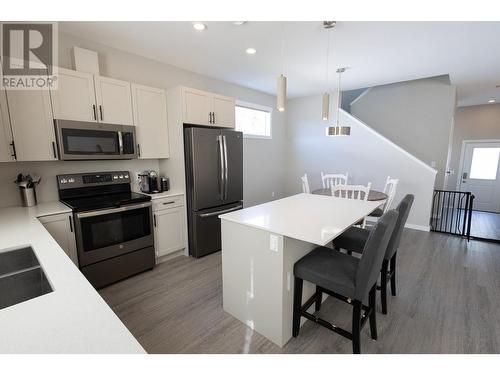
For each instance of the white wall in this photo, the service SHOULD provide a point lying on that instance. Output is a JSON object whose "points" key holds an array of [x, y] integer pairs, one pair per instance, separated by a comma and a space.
{"points": [[263, 159], [367, 156], [471, 123], [416, 115]]}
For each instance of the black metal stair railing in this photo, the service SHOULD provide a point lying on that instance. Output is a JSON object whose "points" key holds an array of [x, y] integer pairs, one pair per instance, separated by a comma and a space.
{"points": [[452, 212]]}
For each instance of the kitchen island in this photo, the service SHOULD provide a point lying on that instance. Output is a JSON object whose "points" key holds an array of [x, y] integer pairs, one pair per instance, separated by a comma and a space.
{"points": [[261, 244], [73, 318]]}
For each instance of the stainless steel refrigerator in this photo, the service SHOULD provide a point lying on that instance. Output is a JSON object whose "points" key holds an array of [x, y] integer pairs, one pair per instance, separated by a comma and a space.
{"points": [[214, 183]]}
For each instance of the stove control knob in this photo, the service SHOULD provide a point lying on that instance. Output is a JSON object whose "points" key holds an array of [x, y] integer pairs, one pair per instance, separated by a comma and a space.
{"points": [[63, 180], [121, 176], [126, 176], [115, 177], [71, 180]]}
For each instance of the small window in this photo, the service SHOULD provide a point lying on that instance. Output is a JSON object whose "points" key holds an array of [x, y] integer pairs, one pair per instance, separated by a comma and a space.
{"points": [[253, 120], [484, 163]]}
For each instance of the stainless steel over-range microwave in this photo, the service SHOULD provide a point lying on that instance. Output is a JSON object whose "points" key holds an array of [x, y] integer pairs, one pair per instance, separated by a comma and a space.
{"points": [[79, 140]]}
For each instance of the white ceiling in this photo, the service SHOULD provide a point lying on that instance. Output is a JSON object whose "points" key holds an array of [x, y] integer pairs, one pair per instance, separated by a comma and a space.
{"points": [[375, 52]]}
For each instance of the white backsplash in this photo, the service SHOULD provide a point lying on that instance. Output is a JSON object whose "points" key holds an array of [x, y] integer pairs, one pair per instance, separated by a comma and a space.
{"points": [[47, 190]]}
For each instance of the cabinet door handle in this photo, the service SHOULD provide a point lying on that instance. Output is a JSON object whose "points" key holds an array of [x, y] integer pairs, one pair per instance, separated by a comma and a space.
{"points": [[210, 117], [54, 149], [138, 150], [14, 155], [70, 224], [94, 112], [213, 117], [165, 203], [100, 111], [154, 220]]}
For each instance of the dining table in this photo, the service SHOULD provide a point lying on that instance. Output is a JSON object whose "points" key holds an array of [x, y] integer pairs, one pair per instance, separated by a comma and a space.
{"points": [[373, 195]]}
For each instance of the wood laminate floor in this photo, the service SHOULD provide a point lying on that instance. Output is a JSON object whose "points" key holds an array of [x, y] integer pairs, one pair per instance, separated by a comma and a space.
{"points": [[448, 302]]}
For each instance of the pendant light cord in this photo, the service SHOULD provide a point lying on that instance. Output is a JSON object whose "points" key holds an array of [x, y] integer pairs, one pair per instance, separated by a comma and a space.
{"points": [[327, 59], [283, 48], [339, 95]]}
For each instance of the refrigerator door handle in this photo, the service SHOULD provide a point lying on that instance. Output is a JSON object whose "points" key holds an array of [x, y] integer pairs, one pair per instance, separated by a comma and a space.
{"points": [[221, 154], [225, 166]]}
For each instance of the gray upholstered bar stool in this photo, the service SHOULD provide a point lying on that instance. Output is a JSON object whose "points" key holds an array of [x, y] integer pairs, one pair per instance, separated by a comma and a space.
{"points": [[344, 277], [354, 239]]}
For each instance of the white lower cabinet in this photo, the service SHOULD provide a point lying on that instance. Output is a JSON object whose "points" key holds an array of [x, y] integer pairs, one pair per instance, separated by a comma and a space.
{"points": [[169, 227], [61, 228]]}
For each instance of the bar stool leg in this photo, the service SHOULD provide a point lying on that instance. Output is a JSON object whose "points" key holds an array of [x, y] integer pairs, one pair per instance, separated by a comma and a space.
{"points": [[393, 274], [383, 286], [319, 297], [373, 314], [356, 327], [297, 305]]}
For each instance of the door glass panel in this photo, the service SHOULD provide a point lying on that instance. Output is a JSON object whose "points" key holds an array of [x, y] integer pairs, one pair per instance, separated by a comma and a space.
{"points": [[79, 142], [115, 228], [484, 164]]}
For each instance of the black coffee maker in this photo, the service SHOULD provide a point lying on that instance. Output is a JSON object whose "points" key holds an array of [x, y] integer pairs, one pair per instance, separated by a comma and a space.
{"points": [[148, 182]]}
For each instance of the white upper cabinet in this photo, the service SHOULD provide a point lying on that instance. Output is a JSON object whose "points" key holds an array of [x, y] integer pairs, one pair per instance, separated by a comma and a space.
{"points": [[32, 124], [150, 118], [205, 108], [74, 99], [197, 107], [114, 101], [223, 111], [6, 146]]}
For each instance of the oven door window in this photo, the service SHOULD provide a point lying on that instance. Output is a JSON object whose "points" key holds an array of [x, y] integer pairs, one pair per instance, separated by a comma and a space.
{"points": [[90, 142], [115, 228]]}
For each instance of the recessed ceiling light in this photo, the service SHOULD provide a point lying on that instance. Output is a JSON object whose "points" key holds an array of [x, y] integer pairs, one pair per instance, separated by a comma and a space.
{"points": [[251, 51], [492, 101], [198, 26]]}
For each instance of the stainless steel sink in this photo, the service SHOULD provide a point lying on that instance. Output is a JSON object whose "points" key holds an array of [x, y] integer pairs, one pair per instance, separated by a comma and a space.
{"points": [[21, 277]]}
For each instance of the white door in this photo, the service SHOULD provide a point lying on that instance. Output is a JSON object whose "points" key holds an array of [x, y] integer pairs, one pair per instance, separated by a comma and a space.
{"points": [[224, 108], [32, 124], [114, 101], [481, 174], [74, 98], [150, 119], [61, 229], [169, 230], [6, 148], [197, 107]]}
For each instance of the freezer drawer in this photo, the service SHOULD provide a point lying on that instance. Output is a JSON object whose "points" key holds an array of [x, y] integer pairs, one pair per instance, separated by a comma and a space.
{"points": [[204, 230]]}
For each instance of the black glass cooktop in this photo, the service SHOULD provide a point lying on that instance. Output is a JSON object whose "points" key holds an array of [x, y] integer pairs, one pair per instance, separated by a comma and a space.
{"points": [[97, 202]]}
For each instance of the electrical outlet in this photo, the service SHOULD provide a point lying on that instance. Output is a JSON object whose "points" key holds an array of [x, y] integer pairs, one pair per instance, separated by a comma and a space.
{"points": [[273, 243], [273, 194]]}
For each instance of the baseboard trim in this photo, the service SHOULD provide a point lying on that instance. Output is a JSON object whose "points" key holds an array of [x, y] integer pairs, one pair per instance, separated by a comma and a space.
{"points": [[424, 228]]}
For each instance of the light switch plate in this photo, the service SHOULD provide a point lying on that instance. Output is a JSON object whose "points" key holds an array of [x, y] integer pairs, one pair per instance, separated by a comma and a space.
{"points": [[273, 242]]}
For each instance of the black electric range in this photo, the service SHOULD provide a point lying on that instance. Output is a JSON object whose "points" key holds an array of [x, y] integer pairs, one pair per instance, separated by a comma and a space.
{"points": [[113, 225]]}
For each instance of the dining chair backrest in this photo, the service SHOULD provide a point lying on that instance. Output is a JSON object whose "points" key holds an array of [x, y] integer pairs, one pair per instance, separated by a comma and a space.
{"points": [[403, 211], [351, 191], [373, 254], [305, 184], [330, 179], [390, 189]]}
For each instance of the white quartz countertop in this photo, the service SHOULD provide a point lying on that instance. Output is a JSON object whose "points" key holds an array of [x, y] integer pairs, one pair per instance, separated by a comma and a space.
{"points": [[164, 194], [73, 318], [311, 218]]}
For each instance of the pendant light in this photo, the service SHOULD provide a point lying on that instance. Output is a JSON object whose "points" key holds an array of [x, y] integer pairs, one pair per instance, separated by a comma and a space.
{"points": [[281, 83], [338, 130], [325, 108]]}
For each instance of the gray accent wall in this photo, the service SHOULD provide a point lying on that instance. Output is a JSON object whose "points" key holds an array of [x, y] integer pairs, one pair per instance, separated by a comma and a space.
{"points": [[472, 123], [365, 155], [416, 115], [263, 170]]}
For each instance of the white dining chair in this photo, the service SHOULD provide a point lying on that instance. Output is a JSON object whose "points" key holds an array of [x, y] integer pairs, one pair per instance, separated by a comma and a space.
{"points": [[359, 192], [305, 184], [390, 190], [331, 179]]}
